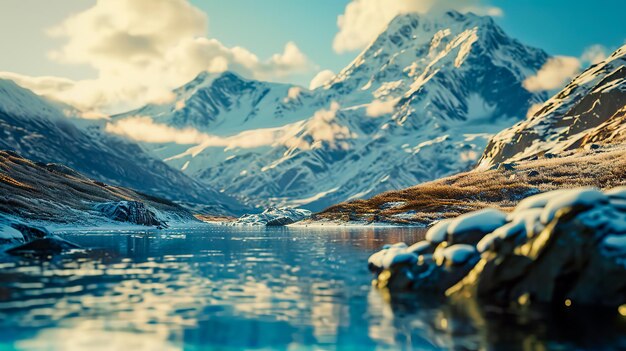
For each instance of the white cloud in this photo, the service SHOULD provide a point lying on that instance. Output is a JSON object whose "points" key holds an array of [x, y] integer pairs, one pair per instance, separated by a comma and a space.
{"points": [[292, 94], [141, 49], [363, 20], [555, 73], [321, 127], [594, 54], [321, 78], [379, 108], [144, 129]]}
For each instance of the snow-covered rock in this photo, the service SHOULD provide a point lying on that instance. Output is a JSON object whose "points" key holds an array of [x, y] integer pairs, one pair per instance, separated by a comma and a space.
{"points": [[419, 103], [9, 235], [471, 227], [525, 259], [273, 217], [438, 232], [583, 197]]}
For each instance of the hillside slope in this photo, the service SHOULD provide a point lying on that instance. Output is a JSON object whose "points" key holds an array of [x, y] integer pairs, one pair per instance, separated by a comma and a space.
{"points": [[590, 109], [39, 130], [56, 194]]}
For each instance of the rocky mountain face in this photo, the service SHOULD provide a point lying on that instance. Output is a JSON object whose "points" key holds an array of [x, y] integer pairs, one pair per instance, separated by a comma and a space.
{"points": [[37, 192], [589, 111], [419, 103], [39, 130]]}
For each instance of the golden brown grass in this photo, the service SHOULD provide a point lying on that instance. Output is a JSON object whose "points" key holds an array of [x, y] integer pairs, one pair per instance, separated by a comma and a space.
{"points": [[464, 192]]}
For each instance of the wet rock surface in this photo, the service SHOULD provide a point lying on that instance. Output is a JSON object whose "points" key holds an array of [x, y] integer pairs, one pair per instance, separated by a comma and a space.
{"points": [[562, 247], [44, 246]]}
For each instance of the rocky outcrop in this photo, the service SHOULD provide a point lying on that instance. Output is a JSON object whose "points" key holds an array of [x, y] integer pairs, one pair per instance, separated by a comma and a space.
{"points": [[43, 247], [130, 212], [274, 217], [564, 247]]}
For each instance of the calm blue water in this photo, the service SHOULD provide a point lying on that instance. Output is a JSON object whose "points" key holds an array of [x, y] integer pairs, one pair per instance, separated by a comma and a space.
{"points": [[229, 288]]}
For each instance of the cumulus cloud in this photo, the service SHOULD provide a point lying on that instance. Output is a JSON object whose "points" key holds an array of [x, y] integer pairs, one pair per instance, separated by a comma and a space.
{"points": [[141, 49], [143, 128], [363, 20], [321, 78], [292, 94], [555, 73], [379, 108], [322, 126], [594, 54]]}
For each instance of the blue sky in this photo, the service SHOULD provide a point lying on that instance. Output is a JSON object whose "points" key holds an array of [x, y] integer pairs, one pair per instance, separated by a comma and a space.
{"points": [[287, 40], [561, 27]]}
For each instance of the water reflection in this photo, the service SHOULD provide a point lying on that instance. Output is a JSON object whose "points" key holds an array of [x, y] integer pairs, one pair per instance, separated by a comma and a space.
{"points": [[231, 288]]}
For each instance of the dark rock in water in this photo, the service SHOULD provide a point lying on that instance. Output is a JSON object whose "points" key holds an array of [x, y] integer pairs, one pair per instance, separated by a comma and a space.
{"points": [[566, 247], [31, 233], [279, 222], [533, 173], [46, 246], [131, 212]]}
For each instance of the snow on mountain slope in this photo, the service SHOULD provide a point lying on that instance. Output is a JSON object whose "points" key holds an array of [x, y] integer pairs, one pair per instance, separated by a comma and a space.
{"points": [[419, 103], [591, 109], [37, 129]]}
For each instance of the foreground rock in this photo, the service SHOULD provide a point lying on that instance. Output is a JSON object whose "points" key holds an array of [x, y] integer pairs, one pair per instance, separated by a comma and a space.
{"points": [[26, 240], [564, 247], [45, 246], [273, 217]]}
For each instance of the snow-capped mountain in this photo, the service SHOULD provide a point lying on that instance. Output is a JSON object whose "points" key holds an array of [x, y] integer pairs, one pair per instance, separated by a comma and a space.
{"points": [[38, 129], [419, 103], [591, 109]]}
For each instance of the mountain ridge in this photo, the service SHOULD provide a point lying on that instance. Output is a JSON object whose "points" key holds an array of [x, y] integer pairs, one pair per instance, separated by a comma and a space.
{"points": [[377, 127]]}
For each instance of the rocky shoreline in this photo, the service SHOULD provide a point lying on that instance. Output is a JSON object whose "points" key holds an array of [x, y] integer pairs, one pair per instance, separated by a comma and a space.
{"points": [[565, 247]]}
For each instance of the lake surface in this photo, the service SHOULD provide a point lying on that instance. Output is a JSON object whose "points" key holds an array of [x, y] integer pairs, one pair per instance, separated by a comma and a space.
{"points": [[228, 288]]}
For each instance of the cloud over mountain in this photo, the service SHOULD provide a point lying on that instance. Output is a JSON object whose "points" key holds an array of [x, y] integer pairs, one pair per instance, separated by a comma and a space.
{"points": [[141, 49], [363, 20]]}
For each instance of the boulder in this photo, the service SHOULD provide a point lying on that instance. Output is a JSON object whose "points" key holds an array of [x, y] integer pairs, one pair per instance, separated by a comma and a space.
{"points": [[566, 246], [131, 212], [44, 246]]}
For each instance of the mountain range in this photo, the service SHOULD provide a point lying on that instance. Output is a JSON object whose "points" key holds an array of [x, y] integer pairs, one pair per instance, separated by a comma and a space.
{"points": [[419, 103], [575, 139]]}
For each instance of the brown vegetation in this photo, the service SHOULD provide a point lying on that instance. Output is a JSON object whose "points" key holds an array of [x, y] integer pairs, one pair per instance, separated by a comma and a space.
{"points": [[54, 193], [501, 188]]}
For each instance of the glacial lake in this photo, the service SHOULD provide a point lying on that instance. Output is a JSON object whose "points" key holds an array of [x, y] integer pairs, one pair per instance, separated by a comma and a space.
{"points": [[230, 288]]}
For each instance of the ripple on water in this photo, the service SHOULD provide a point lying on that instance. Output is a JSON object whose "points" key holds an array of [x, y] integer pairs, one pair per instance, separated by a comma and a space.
{"points": [[236, 288]]}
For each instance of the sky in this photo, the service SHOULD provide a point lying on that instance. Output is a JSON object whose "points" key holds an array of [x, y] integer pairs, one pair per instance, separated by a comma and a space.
{"points": [[105, 55]]}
